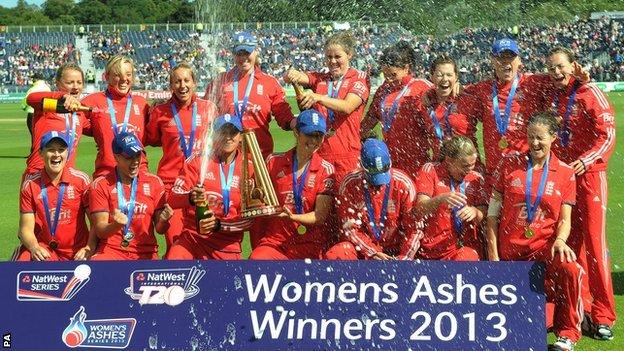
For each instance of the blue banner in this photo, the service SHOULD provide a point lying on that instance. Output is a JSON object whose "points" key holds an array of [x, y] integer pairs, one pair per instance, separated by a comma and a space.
{"points": [[289, 305]]}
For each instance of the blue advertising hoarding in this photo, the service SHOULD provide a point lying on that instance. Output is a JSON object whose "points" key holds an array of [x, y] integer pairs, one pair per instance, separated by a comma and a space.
{"points": [[289, 305]]}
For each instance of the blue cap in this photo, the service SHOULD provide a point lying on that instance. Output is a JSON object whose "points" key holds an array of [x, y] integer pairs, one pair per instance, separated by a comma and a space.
{"points": [[52, 135], [221, 121], [127, 145], [375, 159], [244, 41], [505, 44], [311, 121]]}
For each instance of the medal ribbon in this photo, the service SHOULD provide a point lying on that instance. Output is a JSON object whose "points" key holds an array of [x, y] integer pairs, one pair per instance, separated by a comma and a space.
{"points": [[564, 133], [503, 123], [113, 117], [186, 150], [436, 124], [239, 111], [225, 186], [126, 206], [333, 95], [387, 117], [532, 208], [59, 202], [457, 222], [377, 229], [298, 185]]}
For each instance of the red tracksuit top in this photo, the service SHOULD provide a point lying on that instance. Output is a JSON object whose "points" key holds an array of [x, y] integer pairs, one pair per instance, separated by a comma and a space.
{"points": [[161, 130]]}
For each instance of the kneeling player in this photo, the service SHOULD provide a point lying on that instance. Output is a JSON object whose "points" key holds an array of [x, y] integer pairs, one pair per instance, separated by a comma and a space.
{"points": [[452, 202], [52, 207], [126, 205], [375, 208]]}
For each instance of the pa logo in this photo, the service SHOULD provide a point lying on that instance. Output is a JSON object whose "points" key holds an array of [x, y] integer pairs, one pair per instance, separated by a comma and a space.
{"points": [[164, 286]]}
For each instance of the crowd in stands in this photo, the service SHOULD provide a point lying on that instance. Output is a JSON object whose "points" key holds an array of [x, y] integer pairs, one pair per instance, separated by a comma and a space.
{"points": [[596, 43]]}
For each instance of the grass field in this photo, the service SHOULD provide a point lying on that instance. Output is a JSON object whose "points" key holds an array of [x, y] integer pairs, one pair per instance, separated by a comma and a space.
{"points": [[15, 143]]}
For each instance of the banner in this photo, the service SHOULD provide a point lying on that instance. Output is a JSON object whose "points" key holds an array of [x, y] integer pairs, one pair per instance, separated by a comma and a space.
{"points": [[290, 305]]}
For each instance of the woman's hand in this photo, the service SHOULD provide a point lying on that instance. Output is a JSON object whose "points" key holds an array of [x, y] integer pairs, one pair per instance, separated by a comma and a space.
{"points": [[562, 249]]}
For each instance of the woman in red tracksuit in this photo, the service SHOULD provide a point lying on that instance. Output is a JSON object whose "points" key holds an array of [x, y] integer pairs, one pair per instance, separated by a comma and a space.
{"points": [[70, 83], [341, 95], [529, 219], [219, 235], [304, 185], [452, 202], [179, 126], [394, 106], [115, 110]]}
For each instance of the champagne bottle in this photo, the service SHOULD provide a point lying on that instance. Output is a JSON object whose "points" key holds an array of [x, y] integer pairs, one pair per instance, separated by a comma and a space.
{"points": [[56, 105], [200, 210], [298, 91]]}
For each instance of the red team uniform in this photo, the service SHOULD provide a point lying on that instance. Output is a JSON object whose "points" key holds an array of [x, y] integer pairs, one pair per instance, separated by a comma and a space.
{"points": [[102, 129], [402, 128], [440, 240], [44, 122], [591, 126], [280, 239], [150, 198], [266, 100], [400, 235], [222, 244], [72, 233], [162, 130], [529, 99], [451, 120], [562, 279], [342, 143]]}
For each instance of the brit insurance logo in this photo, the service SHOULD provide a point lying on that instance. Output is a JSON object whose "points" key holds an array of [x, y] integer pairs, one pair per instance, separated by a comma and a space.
{"points": [[52, 285], [103, 333], [164, 286]]}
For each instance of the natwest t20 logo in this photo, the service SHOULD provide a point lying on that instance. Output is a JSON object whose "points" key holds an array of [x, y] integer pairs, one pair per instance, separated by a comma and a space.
{"points": [[101, 333], [164, 286], [52, 285]]}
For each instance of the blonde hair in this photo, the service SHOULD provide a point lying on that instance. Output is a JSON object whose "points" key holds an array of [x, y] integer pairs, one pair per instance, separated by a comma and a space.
{"points": [[113, 66], [182, 65], [457, 147], [66, 67], [344, 40]]}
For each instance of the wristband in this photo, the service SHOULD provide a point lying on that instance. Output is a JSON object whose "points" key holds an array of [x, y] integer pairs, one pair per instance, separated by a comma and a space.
{"points": [[217, 226]]}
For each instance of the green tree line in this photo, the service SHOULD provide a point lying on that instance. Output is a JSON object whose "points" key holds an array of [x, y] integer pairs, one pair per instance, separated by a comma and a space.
{"points": [[420, 16]]}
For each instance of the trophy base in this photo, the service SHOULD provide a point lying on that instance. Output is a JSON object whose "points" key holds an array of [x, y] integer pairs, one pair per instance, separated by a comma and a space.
{"points": [[261, 211]]}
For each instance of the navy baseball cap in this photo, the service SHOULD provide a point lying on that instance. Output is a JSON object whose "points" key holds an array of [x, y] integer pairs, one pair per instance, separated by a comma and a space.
{"points": [[53, 135], [221, 121], [505, 44], [127, 145], [244, 41], [311, 121], [375, 159]]}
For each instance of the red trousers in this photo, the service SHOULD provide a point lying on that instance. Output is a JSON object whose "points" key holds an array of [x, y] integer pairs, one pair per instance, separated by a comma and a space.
{"points": [[588, 239], [464, 253], [564, 309], [110, 253], [287, 252], [345, 250], [192, 247], [22, 254]]}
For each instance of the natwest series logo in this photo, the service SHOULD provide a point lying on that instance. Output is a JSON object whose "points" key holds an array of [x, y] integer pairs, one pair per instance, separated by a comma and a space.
{"points": [[52, 285], [102, 333], [164, 286]]}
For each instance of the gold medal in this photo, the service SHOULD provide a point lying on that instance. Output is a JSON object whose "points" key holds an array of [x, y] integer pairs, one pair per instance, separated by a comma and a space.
{"points": [[124, 244], [301, 229], [503, 143], [331, 132], [53, 244], [460, 243], [528, 233]]}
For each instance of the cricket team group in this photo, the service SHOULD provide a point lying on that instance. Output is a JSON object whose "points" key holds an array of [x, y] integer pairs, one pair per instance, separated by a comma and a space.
{"points": [[537, 193]]}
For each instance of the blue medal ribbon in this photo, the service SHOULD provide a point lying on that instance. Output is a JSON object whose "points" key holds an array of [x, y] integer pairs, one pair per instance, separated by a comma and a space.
{"points": [[564, 132], [333, 95], [298, 184], [70, 131], [503, 122], [187, 150], [436, 124], [531, 209], [387, 117], [377, 229], [226, 185], [126, 206], [113, 117], [239, 111], [457, 222], [46, 206]]}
